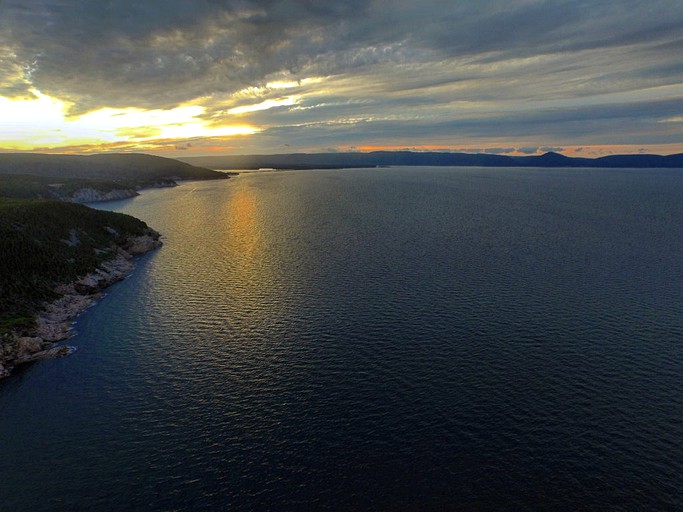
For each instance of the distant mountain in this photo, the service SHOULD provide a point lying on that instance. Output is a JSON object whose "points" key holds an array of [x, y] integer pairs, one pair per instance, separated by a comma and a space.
{"points": [[552, 160], [131, 167], [393, 158]]}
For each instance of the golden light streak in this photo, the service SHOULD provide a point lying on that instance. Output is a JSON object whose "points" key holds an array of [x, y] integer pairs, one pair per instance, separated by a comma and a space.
{"points": [[288, 84], [265, 105], [264, 90], [282, 85]]}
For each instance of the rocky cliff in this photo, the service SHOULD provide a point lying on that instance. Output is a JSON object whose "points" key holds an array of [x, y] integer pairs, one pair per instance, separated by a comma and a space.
{"points": [[92, 195], [55, 320]]}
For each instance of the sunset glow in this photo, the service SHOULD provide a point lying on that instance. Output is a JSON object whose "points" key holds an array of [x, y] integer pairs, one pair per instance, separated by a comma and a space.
{"points": [[213, 79], [42, 122]]}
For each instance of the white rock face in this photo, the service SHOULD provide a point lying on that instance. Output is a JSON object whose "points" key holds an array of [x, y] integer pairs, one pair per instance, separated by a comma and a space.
{"points": [[91, 195], [143, 244]]}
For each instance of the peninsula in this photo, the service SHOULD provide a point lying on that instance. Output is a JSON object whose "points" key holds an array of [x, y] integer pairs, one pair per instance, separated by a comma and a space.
{"points": [[86, 179], [58, 257]]}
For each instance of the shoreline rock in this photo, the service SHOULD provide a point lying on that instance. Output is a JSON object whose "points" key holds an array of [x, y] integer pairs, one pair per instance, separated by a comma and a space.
{"points": [[92, 195], [95, 195], [55, 321]]}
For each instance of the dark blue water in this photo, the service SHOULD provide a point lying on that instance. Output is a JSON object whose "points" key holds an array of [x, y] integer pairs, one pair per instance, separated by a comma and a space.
{"points": [[386, 339]]}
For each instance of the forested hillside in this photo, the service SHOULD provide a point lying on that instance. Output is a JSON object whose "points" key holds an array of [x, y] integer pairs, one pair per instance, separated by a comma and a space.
{"points": [[45, 243], [108, 167]]}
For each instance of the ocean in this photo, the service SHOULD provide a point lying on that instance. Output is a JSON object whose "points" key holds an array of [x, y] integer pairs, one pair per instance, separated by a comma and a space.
{"points": [[373, 339]]}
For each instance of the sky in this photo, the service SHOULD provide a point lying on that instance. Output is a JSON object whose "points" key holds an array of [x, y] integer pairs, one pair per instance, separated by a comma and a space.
{"points": [[210, 77]]}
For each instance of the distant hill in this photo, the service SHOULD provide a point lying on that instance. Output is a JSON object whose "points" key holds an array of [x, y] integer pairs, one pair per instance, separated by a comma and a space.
{"points": [[393, 158], [84, 179], [109, 167]]}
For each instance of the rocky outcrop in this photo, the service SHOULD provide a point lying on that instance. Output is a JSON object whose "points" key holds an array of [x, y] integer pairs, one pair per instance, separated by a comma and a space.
{"points": [[92, 195], [55, 321], [26, 349], [143, 244]]}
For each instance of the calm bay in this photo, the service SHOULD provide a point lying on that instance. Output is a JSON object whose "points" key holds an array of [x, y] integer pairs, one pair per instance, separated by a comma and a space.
{"points": [[373, 339]]}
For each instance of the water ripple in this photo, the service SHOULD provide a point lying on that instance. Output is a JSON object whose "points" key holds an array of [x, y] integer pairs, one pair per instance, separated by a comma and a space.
{"points": [[404, 339]]}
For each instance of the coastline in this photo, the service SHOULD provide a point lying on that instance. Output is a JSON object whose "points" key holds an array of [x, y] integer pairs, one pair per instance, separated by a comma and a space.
{"points": [[94, 195], [55, 320]]}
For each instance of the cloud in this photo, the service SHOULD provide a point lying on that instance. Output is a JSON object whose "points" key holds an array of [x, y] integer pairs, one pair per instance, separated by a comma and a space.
{"points": [[498, 151], [173, 51], [159, 54], [338, 74]]}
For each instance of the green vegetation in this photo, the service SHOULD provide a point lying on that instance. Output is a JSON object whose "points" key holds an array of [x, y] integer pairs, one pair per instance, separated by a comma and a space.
{"points": [[45, 243], [43, 187]]}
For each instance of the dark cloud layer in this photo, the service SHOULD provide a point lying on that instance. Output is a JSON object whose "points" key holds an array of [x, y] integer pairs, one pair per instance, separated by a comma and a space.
{"points": [[446, 66]]}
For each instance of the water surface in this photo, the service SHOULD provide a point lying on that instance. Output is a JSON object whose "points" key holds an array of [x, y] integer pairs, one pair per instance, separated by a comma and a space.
{"points": [[378, 339]]}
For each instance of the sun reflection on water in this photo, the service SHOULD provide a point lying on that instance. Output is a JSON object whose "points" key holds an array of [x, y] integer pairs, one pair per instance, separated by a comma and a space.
{"points": [[241, 213]]}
